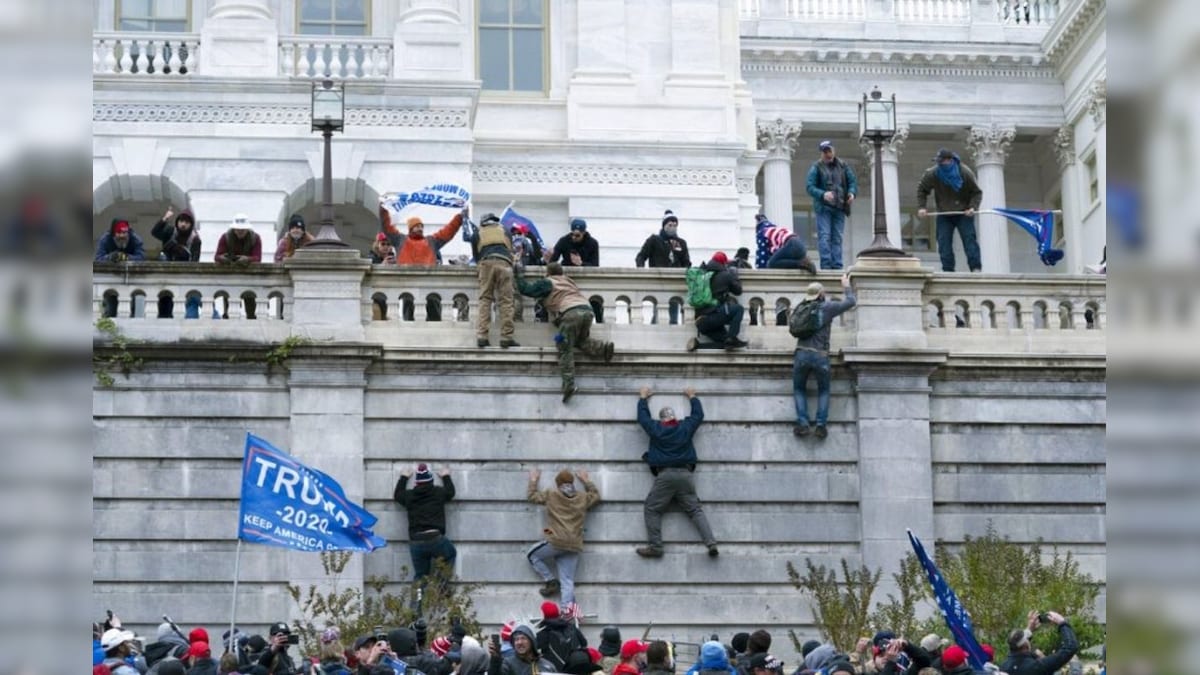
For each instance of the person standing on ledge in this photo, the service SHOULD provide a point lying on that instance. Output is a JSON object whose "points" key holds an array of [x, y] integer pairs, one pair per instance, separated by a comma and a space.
{"points": [[672, 459], [833, 186], [954, 188]]}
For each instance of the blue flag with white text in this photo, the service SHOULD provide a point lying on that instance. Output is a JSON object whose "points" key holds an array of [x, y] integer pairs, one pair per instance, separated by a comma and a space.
{"points": [[510, 218], [1041, 225], [444, 195], [285, 503], [957, 618]]}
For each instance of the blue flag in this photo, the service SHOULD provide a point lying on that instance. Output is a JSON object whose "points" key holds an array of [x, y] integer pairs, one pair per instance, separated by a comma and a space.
{"points": [[444, 195], [1041, 225], [285, 503], [957, 619], [510, 218]]}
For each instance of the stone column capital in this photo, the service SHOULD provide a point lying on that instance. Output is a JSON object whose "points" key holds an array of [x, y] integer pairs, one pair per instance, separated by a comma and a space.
{"points": [[1098, 102], [991, 143], [892, 148], [239, 9], [779, 138], [1064, 147]]}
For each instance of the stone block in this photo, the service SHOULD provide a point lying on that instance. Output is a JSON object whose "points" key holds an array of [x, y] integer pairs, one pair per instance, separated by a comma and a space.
{"points": [[995, 486], [1020, 444]]}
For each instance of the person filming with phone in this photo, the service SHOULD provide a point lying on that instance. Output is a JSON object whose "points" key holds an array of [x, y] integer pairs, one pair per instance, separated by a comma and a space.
{"points": [[275, 657], [1021, 658]]}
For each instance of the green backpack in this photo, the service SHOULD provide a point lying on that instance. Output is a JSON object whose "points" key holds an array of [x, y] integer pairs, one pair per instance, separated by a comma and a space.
{"points": [[805, 320], [699, 284]]}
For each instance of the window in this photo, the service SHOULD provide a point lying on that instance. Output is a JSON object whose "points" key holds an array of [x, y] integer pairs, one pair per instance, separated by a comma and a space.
{"points": [[1093, 179], [512, 45], [333, 17], [161, 16]]}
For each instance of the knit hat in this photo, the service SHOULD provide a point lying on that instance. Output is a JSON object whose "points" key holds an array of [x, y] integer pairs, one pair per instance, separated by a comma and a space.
{"points": [[488, 219], [120, 226], [296, 221], [424, 475], [198, 635], [814, 291], [990, 651], [765, 660], [564, 476], [759, 217], [713, 656], [610, 641], [840, 666], [743, 253], [199, 650], [669, 217], [257, 643], [720, 257], [381, 237], [739, 642], [953, 657], [594, 654], [506, 630], [413, 222], [550, 610], [440, 645], [578, 224], [933, 642], [808, 647], [760, 641], [632, 648]]}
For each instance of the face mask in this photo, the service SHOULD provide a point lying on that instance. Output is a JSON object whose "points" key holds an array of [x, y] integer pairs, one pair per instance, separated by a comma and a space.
{"points": [[568, 489], [671, 230]]}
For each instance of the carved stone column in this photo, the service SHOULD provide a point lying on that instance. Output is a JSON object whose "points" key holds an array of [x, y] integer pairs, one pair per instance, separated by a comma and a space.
{"points": [[891, 181], [1064, 151], [433, 41], [990, 145], [779, 139], [239, 39]]}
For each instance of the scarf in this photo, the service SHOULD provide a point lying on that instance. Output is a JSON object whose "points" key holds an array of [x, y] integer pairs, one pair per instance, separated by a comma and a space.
{"points": [[568, 489], [950, 174]]}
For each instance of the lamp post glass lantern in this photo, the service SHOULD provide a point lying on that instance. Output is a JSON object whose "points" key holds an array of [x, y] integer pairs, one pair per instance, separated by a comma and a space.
{"points": [[328, 116], [877, 123]]}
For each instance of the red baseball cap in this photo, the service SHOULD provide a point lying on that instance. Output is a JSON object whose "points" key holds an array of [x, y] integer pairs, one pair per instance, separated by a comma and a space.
{"points": [[953, 657], [632, 648], [120, 226]]}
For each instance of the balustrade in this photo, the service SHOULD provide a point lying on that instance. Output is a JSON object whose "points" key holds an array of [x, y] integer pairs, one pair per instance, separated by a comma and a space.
{"points": [[827, 10], [1027, 12], [933, 11], [338, 58], [145, 54]]}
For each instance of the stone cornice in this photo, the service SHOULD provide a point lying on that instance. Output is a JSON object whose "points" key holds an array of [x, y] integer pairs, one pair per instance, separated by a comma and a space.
{"points": [[927, 60], [143, 113], [1067, 30], [603, 175]]}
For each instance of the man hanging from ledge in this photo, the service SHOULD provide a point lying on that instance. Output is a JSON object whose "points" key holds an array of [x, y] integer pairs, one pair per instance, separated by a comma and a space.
{"points": [[570, 312]]}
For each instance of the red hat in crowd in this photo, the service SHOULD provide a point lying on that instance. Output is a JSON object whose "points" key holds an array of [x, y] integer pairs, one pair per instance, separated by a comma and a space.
{"points": [[550, 610], [720, 257], [632, 648], [507, 629], [120, 226], [440, 645], [990, 651], [953, 657], [199, 650], [594, 654], [198, 635]]}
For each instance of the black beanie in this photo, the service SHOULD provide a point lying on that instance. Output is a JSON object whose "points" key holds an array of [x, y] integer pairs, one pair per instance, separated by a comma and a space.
{"points": [[760, 641], [296, 221], [808, 647], [739, 642], [669, 217], [610, 641]]}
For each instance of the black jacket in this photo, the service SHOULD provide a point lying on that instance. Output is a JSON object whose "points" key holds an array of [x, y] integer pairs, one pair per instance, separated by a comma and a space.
{"points": [[174, 247], [426, 504], [725, 285], [588, 250], [662, 251], [1025, 663]]}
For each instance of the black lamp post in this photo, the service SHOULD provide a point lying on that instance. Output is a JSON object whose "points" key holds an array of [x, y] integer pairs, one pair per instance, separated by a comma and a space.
{"points": [[877, 122], [328, 116]]}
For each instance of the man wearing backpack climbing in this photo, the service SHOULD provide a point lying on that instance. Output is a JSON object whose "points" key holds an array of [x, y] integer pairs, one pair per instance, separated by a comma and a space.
{"points": [[712, 288], [810, 325]]}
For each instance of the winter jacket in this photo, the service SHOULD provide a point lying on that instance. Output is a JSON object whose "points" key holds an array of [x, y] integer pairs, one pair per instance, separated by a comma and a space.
{"points": [[515, 665], [947, 198], [670, 444], [203, 667], [558, 293], [829, 310], [403, 642], [174, 247], [725, 284], [564, 515], [230, 245], [588, 249], [107, 246], [566, 633], [277, 662], [426, 504], [661, 250], [1026, 663], [837, 178], [118, 666], [423, 250], [287, 246]]}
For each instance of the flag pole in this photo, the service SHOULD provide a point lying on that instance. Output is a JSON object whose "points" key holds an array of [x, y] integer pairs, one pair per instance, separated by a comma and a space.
{"points": [[508, 208], [960, 213], [237, 564]]}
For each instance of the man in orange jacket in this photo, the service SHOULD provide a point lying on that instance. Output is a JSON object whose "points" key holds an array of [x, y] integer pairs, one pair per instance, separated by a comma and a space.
{"points": [[416, 248]]}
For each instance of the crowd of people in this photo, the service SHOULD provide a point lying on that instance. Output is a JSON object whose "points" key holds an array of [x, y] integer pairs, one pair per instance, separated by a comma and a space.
{"points": [[555, 645]]}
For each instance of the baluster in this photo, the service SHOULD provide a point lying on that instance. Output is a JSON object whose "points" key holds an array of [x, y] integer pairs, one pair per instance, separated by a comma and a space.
{"points": [[97, 59], [318, 61], [304, 64], [142, 62], [368, 61], [174, 63], [154, 62], [287, 56], [126, 62], [353, 61], [189, 59], [335, 61], [384, 64]]}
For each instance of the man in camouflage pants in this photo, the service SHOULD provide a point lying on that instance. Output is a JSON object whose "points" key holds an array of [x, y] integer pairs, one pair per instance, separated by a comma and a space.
{"points": [[570, 312]]}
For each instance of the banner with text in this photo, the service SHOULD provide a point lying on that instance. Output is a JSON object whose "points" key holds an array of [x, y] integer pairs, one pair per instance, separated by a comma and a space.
{"points": [[285, 503], [442, 194]]}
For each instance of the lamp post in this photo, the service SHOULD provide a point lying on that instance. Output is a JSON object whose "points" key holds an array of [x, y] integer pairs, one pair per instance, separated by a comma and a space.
{"points": [[877, 122], [328, 116]]}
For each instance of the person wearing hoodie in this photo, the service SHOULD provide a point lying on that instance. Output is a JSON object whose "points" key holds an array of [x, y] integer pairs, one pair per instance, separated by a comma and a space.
{"points": [[199, 660], [720, 323], [557, 637], [295, 237], [168, 644], [714, 660], [120, 243], [475, 659], [610, 648], [666, 248], [562, 535], [403, 642], [779, 248], [426, 505], [672, 459], [524, 658], [180, 240], [819, 658], [416, 249]]}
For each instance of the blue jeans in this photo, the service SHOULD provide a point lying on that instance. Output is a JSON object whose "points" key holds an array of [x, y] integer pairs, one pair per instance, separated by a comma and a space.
{"points": [[830, 224], [818, 364], [565, 563], [945, 239], [425, 552], [721, 324], [788, 256]]}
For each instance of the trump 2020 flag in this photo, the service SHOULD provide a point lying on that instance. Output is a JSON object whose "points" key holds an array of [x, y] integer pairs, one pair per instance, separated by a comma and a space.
{"points": [[285, 503], [1041, 225], [957, 619], [510, 218]]}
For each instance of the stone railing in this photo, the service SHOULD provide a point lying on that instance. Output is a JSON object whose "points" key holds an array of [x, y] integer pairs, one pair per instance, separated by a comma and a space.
{"points": [[337, 57], [933, 11], [1027, 12], [437, 307], [145, 54]]}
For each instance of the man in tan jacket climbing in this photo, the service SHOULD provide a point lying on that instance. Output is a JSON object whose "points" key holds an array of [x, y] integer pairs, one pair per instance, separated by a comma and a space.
{"points": [[562, 535]]}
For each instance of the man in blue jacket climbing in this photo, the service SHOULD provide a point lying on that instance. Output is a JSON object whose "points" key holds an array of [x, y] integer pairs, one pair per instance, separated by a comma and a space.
{"points": [[672, 459]]}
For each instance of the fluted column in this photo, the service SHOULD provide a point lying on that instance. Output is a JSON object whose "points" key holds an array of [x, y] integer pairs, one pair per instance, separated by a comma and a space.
{"points": [[1064, 151], [891, 181], [1094, 240], [239, 39], [990, 145], [239, 9], [779, 139]]}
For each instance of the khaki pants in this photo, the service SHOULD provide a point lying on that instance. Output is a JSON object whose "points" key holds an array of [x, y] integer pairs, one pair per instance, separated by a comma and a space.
{"points": [[495, 285], [575, 326]]}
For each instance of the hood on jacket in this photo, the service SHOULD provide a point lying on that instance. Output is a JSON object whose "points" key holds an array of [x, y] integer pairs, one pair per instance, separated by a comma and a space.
{"points": [[820, 657], [474, 657], [713, 656], [403, 641], [527, 631], [186, 214]]}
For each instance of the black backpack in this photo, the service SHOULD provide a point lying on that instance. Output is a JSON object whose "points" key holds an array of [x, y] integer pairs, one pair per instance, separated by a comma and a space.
{"points": [[805, 320], [558, 646]]}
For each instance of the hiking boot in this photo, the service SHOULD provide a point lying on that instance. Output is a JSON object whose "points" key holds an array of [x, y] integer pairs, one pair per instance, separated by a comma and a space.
{"points": [[569, 392], [608, 351], [800, 430], [807, 265], [482, 342], [649, 551], [734, 343], [821, 432], [692, 344], [551, 588], [509, 342], [713, 551]]}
